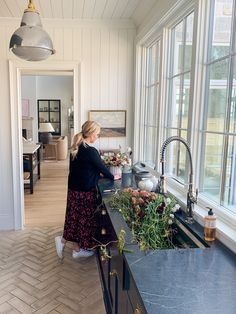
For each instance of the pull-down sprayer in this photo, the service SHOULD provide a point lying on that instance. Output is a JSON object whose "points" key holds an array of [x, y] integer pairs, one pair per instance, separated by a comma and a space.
{"points": [[192, 194]]}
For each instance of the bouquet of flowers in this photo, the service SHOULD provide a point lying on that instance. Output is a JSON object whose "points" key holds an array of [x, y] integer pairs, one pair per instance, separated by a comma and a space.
{"points": [[117, 159], [149, 215]]}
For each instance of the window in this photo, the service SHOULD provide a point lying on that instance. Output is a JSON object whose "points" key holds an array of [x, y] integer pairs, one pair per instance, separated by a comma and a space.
{"points": [[152, 88], [179, 93], [218, 181], [198, 51]]}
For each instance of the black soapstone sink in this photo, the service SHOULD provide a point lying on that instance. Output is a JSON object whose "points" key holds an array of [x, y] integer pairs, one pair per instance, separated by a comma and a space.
{"points": [[185, 238]]}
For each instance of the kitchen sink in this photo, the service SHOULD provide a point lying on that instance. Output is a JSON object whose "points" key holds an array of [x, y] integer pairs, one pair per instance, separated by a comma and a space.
{"points": [[185, 238]]}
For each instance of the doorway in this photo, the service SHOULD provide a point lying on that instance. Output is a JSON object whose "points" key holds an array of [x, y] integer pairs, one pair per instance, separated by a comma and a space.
{"points": [[54, 91], [46, 205], [16, 70]]}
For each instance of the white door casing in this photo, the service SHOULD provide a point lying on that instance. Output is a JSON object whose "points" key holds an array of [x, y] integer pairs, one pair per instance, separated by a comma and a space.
{"points": [[16, 69]]}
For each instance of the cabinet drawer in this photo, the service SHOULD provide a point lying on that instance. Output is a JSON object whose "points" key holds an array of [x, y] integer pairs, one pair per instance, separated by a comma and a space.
{"points": [[105, 231]]}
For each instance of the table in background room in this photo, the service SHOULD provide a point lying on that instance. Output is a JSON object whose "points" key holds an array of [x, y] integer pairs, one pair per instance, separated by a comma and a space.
{"points": [[31, 159]]}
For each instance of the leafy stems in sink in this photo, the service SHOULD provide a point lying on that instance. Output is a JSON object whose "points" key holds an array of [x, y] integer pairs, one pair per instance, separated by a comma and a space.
{"points": [[149, 215]]}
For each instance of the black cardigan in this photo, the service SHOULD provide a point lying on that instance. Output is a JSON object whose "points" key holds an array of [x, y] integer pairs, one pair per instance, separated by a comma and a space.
{"points": [[85, 169]]}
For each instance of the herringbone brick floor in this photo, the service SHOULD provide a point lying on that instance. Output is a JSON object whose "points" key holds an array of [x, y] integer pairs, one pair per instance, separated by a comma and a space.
{"points": [[34, 280]]}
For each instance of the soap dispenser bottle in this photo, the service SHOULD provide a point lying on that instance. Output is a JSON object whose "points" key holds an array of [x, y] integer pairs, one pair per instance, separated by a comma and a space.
{"points": [[210, 226]]}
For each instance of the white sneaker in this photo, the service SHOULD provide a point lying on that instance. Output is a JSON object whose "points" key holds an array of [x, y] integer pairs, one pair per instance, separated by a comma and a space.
{"points": [[59, 246], [82, 253]]}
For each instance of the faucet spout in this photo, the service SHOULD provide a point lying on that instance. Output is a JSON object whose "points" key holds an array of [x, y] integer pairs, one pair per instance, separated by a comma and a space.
{"points": [[191, 194]]}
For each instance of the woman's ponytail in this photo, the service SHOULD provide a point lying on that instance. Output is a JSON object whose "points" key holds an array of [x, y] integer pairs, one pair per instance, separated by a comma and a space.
{"points": [[76, 141], [88, 128]]}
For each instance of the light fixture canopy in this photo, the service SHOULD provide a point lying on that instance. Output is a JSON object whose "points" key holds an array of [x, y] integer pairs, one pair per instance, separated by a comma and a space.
{"points": [[30, 42]]}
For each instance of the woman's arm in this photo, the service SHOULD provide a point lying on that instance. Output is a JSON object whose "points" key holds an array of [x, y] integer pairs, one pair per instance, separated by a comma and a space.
{"points": [[97, 161]]}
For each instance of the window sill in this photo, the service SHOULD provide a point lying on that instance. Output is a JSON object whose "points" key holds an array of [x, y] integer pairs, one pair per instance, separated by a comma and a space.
{"points": [[225, 223], [224, 232]]}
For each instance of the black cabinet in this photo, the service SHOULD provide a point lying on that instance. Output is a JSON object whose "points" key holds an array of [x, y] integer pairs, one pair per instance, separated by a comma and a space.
{"points": [[49, 110], [135, 304], [111, 273], [120, 293]]}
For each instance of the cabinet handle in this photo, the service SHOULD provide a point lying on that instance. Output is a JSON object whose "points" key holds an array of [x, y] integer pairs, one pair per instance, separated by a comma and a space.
{"points": [[104, 212], [138, 310], [113, 273], [103, 231]]}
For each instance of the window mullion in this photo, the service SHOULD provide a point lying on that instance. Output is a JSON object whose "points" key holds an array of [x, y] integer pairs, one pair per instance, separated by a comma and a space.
{"points": [[227, 116], [233, 29], [226, 129], [207, 89], [181, 102]]}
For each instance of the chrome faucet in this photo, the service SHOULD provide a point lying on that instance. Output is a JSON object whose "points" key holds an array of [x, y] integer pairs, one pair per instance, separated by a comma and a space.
{"points": [[192, 194]]}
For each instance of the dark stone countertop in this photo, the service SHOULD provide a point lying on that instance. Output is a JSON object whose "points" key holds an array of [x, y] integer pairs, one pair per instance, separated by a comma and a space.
{"points": [[179, 281]]}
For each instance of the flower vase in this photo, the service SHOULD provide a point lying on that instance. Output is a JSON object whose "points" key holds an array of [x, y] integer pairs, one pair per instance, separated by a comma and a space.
{"points": [[116, 171]]}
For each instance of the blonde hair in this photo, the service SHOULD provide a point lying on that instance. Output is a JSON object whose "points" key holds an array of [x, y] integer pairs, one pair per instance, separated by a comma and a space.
{"points": [[88, 128]]}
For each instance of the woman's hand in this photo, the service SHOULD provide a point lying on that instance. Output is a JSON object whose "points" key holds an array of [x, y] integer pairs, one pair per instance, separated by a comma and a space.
{"points": [[116, 177]]}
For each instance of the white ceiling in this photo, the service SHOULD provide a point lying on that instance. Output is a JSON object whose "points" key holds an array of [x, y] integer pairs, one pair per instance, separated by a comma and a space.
{"points": [[136, 10]]}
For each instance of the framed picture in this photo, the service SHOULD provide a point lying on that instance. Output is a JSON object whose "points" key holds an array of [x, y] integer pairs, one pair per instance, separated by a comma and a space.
{"points": [[112, 122]]}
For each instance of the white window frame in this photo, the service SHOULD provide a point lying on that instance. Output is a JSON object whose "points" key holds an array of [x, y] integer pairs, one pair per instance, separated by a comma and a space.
{"points": [[147, 88], [167, 127], [226, 221]]}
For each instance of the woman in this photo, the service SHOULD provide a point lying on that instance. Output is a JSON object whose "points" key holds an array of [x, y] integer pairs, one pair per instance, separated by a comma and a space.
{"points": [[84, 171]]}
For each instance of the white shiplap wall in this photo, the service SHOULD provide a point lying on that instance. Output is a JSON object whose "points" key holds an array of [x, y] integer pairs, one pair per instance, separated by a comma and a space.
{"points": [[105, 52]]}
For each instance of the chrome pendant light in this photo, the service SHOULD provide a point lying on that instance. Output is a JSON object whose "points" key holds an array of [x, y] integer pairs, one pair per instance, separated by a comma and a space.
{"points": [[30, 42]]}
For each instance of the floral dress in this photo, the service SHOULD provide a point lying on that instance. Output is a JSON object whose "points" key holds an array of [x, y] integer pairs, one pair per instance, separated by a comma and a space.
{"points": [[81, 223]]}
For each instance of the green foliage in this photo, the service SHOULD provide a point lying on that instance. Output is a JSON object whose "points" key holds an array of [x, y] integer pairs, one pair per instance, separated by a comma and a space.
{"points": [[149, 215], [121, 242]]}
